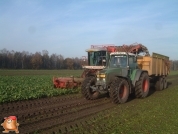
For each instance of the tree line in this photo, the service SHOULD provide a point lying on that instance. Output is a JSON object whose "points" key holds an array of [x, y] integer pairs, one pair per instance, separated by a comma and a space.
{"points": [[174, 64], [42, 60], [38, 60]]}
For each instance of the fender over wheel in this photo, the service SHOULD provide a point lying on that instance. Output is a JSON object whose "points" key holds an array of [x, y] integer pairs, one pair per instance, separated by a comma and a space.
{"points": [[119, 90], [86, 89], [142, 86]]}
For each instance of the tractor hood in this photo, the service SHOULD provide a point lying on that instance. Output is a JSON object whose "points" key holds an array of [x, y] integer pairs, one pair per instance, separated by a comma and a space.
{"points": [[93, 67], [111, 73]]}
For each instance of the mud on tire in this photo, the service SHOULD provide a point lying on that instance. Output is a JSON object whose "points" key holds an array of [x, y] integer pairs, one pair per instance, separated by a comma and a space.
{"points": [[119, 90], [142, 86], [87, 90]]}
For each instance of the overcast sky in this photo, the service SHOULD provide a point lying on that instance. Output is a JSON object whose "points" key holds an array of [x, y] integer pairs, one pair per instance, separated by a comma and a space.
{"points": [[69, 27]]}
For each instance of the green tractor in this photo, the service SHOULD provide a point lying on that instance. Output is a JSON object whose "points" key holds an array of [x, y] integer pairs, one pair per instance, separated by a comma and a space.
{"points": [[119, 79]]}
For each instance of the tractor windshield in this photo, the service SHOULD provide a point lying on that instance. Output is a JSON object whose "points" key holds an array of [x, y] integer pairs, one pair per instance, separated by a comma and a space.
{"points": [[97, 58], [118, 61]]}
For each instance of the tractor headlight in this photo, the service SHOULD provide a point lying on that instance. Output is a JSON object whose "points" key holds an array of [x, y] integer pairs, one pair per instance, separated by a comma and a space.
{"points": [[100, 77]]}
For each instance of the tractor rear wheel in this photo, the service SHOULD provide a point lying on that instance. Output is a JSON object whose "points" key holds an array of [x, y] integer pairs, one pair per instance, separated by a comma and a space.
{"points": [[159, 84], [142, 86], [86, 89], [119, 90]]}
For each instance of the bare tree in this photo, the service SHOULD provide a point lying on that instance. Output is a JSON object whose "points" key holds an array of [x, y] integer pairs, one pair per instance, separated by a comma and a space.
{"points": [[69, 63], [45, 59], [36, 60], [53, 60], [61, 61], [26, 60]]}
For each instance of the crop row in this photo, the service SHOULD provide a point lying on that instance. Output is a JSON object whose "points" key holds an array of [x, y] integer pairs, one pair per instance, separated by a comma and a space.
{"points": [[13, 88]]}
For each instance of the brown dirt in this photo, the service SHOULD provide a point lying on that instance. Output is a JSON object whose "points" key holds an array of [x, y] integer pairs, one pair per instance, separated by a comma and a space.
{"points": [[60, 114]]}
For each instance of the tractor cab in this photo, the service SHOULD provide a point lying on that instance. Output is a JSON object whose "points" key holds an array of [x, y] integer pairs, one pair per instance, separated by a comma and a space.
{"points": [[122, 60], [118, 61], [120, 64], [97, 56]]}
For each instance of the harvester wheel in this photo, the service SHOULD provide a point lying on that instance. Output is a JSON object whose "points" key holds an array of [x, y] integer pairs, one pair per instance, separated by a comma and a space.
{"points": [[142, 86], [86, 89], [119, 90], [159, 84], [165, 83]]}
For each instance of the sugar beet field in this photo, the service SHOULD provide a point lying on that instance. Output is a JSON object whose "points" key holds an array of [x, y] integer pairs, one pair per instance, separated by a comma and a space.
{"points": [[40, 108]]}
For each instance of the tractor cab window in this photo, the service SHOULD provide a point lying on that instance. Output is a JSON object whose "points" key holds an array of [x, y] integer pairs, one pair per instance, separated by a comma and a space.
{"points": [[118, 61], [131, 59], [132, 62], [97, 58]]}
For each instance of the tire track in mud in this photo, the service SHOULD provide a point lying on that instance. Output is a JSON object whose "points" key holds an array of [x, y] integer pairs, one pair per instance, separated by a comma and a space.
{"points": [[67, 118], [58, 114], [35, 115]]}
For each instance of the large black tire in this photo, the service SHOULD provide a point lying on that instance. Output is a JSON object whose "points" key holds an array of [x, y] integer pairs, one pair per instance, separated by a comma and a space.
{"points": [[119, 90], [165, 83], [142, 86], [87, 90], [159, 84]]}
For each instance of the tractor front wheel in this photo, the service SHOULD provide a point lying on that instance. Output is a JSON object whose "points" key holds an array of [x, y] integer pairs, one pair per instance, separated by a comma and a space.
{"points": [[86, 89], [119, 90], [142, 86]]}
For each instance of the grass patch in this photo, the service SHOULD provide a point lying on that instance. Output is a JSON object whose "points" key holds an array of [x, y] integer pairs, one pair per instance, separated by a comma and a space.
{"points": [[174, 73], [156, 114]]}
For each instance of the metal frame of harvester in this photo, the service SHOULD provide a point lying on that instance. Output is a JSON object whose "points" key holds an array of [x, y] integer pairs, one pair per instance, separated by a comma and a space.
{"points": [[90, 69]]}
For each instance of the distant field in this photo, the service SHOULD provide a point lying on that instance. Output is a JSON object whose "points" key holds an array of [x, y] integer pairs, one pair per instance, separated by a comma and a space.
{"points": [[41, 72]]}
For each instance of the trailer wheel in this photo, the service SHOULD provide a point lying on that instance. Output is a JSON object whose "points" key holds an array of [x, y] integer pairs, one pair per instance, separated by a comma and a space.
{"points": [[165, 83], [119, 90], [142, 86], [86, 89], [159, 84]]}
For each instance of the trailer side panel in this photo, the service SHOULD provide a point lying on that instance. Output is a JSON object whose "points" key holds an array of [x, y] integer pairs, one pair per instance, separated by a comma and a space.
{"points": [[157, 64]]}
